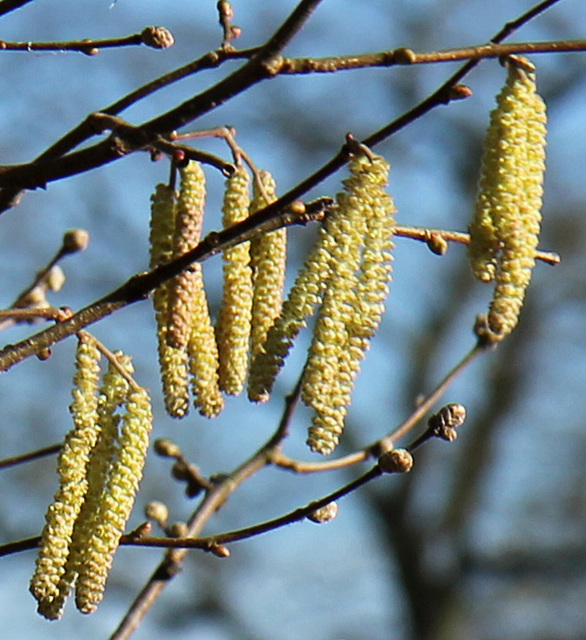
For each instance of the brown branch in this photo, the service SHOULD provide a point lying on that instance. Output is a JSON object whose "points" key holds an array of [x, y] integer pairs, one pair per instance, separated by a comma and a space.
{"points": [[214, 499], [6, 6], [263, 65], [92, 47], [403, 56], [31, 455], [264, 527], [138, 287], [387, 442], [259, 67], [423, 234]]}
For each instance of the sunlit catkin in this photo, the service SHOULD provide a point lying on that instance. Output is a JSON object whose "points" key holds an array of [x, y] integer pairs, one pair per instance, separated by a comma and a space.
{"points": [[233, 324], [305, 295], [188, 225], [113, 392], [353, 304], [172, 361], [117, 500], [47, 585], [511, 194], [268, 257], [203, 356]]}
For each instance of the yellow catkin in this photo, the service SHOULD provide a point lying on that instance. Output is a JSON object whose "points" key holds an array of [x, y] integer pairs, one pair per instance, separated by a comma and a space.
{"points": [[188, 225], [233, 324], [362, 227], [306, 293], [117, 500], [113, 393], [172, 361], [268, 256], [511, 190], [47, 583], [203, 356]]}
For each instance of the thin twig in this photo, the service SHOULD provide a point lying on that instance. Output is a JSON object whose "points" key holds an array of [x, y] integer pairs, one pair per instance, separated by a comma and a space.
{"points": [[403, 56], [262, 66], [387, 442], [212, 502], [264, 527], [31, 455], [139, 286], [424, 234], [6, 6], [87, 46]]}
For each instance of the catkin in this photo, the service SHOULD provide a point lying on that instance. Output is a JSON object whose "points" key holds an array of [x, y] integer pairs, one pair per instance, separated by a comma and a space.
{"points": [[188, 225], [353, 304], [172, 361], [510, 197], [268, 257], [189, 332], [47, 584], [306, 293], [117, 500], [234, 318]]}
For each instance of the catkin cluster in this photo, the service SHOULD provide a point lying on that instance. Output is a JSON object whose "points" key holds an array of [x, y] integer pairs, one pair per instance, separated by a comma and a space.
{"points": [[504, 232], [184, 328], [254, 273], [99, 468], [346, 275]]}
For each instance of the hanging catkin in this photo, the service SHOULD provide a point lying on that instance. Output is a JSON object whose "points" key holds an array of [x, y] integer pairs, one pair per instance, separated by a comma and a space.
{"points": [[353, 304], [268, 256], [304, 296], [233, 324], [504, 233], [117, 500], [172, 361], [47, 584]]}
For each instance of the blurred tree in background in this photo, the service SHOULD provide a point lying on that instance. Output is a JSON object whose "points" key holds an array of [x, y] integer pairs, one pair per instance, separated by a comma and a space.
{"points": [[484, 538]]}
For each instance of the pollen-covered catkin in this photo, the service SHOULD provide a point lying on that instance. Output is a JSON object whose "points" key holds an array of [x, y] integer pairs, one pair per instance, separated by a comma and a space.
{"points": [[47, 585], [172, 361], [353, 304], [203, 357], [510, 194], [233, 324], [117, 500], [188, 225], [112, 394], [268, 257], [304, 296]]}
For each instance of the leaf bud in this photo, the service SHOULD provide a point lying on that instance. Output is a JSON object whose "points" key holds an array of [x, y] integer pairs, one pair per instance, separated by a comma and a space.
{"points": [[396, 461]]}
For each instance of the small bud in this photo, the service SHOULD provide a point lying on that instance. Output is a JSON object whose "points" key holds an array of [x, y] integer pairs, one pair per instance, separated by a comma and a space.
{"points": [[452, 415], [448, 434], [167, 448], [142, 531], [180, 471], [396, 461], [75, 240], [225, 9], [297, 207], [219, 550], [404, 56], [178, 530], [324, 514], [460, 92], [55, 279], [158, 512], [437, 244], [44, 354], [157, 37]]}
